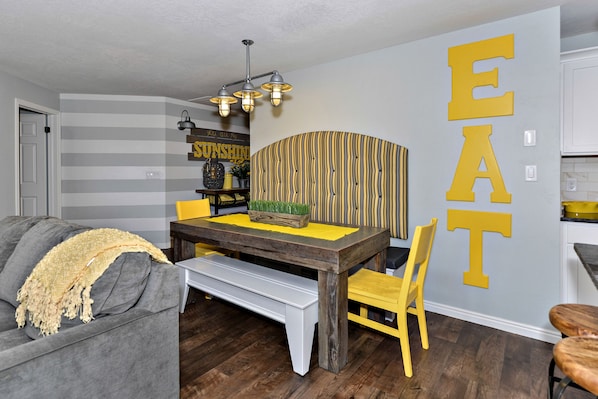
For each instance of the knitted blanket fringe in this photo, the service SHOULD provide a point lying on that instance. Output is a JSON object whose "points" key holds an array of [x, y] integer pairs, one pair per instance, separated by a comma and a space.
{"points": [[61, 282]]}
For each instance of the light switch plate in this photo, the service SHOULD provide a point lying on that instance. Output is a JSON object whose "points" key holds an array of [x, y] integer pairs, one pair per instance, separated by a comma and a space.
{"points": [[529, 138], [531, 173]]}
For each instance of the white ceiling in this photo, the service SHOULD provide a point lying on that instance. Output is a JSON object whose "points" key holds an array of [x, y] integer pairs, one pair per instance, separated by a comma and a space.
{"points": [[188, 48]]}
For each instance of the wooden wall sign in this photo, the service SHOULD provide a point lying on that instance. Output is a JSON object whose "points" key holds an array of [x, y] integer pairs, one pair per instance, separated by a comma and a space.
{"points": [[227, 146]]}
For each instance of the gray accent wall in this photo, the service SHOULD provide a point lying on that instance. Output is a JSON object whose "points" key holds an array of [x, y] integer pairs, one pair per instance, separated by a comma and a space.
{"points": [[401, 94], [124, 162]]}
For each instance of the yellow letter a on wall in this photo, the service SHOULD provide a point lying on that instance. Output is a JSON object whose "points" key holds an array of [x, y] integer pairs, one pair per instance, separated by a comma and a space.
{"points": [[477, 148]]}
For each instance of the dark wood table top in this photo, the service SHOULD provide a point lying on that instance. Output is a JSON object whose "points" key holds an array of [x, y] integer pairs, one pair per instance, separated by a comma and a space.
{"points": [[326, 255]]}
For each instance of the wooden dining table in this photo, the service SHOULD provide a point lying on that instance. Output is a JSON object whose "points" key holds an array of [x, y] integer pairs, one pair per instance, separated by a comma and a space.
{"points": [[332, 260]]}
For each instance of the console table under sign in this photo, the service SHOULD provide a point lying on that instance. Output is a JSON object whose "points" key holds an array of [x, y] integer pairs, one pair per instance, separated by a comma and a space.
{"points": [[225, 198], [331, 258]]}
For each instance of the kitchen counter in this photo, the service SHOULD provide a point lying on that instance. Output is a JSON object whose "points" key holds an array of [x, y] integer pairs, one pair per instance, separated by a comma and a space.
{"points": [[578, 219], [588, 254]]}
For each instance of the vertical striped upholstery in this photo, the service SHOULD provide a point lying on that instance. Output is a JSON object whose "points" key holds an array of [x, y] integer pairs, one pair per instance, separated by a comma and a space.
{"points": [[345, 178]]}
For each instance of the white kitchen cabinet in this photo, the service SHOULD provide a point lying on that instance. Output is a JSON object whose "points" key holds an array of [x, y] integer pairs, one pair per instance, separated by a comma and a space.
{"points": [[576, 285], [579, 121]]}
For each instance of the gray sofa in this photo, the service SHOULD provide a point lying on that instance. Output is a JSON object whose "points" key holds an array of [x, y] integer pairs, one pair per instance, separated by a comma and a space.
{"points": [[129, 350]]}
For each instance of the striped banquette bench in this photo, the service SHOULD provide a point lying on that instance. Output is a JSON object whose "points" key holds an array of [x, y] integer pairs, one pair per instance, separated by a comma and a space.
{"points": [[345, 177]]}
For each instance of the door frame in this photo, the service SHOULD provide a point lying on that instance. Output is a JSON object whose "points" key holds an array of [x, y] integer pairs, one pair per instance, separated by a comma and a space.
{"points": [[54, 158]]}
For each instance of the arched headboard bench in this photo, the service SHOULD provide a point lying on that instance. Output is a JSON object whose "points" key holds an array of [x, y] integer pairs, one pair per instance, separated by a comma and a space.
{"points": [[345, 177]]}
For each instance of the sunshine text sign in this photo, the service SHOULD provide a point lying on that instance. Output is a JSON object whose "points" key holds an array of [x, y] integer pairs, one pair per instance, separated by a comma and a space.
{"points": [[477, 147], [226, 146]]}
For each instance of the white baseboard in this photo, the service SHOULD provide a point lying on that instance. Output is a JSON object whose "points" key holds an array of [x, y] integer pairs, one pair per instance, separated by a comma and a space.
{"points": [[525, 330]]}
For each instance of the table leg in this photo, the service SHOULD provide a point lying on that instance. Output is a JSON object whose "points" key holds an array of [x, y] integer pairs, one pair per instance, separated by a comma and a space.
{"points": [[377, 262], [333, 334], [182, 249], [216, 203]]}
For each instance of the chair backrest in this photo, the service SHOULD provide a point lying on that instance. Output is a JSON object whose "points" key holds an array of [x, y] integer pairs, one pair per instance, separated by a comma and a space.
{"points": [[193, 209], [419, 254]]}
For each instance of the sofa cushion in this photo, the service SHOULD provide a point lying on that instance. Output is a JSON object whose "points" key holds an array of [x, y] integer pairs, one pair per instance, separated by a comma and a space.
{"points": [[30, 249], [12, 229], [121, 285]]}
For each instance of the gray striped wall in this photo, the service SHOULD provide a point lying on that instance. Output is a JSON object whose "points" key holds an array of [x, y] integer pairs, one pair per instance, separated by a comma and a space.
{"points": [[110, 143]]}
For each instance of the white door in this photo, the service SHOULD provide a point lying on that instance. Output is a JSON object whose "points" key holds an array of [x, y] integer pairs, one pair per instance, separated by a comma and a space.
{"points": [[33, 168]]}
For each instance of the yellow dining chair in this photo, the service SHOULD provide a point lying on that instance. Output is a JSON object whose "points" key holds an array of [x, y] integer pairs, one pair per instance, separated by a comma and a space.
{"points": [[397, 295], [197, 209]]}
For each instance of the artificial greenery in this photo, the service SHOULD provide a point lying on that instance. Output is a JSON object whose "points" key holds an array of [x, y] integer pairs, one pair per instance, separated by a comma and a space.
{"points": [[241, 170], [293, 208]]}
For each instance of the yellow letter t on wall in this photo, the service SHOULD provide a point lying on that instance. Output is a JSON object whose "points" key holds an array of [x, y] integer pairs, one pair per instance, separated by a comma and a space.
{"points": [[477, 223]]}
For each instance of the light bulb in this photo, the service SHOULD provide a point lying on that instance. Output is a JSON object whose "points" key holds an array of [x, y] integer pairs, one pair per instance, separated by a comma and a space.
{"points": [[247, 102], [275, 95], [224, 109]]}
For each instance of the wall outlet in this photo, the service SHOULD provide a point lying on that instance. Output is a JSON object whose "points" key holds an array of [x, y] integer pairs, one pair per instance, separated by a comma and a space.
{"points": [[571, 184], [152, 174]]}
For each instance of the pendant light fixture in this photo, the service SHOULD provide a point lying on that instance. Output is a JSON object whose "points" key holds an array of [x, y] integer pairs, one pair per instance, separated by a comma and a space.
{"points": [[276, 86], [185, 123]]}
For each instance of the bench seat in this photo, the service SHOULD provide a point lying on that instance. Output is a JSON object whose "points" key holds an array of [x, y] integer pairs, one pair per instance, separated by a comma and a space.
{"points": [[284, 297]]}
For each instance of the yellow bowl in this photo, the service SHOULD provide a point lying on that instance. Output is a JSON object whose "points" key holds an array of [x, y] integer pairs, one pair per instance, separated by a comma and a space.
{"points": [[580, 207]]}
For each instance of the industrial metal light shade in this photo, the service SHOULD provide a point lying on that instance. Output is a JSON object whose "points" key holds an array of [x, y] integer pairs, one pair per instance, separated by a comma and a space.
{"points": [[224, 100], [247, 94], [186, 123], [276, 86]]}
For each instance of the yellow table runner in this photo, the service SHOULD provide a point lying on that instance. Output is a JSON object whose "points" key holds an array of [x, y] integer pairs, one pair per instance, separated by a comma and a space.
{"points": [[314, 230]]}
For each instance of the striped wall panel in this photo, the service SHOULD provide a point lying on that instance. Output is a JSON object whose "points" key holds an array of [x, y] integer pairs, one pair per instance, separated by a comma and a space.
{"points": [[345, 178], [110, 143]]}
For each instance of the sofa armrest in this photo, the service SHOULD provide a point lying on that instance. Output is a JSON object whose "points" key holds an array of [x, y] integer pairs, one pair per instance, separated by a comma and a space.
{"points": [[162, 289], [115, 356], [134, 354]]}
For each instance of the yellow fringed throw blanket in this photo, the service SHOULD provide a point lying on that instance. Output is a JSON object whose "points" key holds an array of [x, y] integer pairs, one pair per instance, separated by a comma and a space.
{"points": [[61, 282]]}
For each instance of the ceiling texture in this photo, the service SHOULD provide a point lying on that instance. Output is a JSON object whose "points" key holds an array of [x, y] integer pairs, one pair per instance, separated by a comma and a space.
{"points": [[187, 49]]}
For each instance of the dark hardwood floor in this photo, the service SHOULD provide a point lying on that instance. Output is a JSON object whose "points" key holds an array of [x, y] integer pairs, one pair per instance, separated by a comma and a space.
{"points": [[228, 352]]}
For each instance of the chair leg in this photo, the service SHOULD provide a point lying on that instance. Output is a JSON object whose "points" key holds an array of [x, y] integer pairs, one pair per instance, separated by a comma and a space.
{"points": [[421, 321], [363, 310], [404, 339], [551, 378], [560, 389]]}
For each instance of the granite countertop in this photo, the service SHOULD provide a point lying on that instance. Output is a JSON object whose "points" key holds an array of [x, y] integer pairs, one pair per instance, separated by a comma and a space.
{"points": [[588, 254], [578, 219]]}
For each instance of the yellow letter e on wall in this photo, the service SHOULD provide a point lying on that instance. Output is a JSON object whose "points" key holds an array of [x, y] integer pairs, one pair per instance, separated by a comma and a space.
{"points": [[461, 59]]}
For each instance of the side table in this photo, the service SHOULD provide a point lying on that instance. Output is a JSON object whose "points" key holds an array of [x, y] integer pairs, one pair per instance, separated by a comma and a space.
{"points": [[225, 198]]}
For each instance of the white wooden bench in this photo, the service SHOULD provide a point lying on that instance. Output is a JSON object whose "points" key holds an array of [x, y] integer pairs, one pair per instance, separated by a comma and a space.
{"points": [[284, 297]]}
